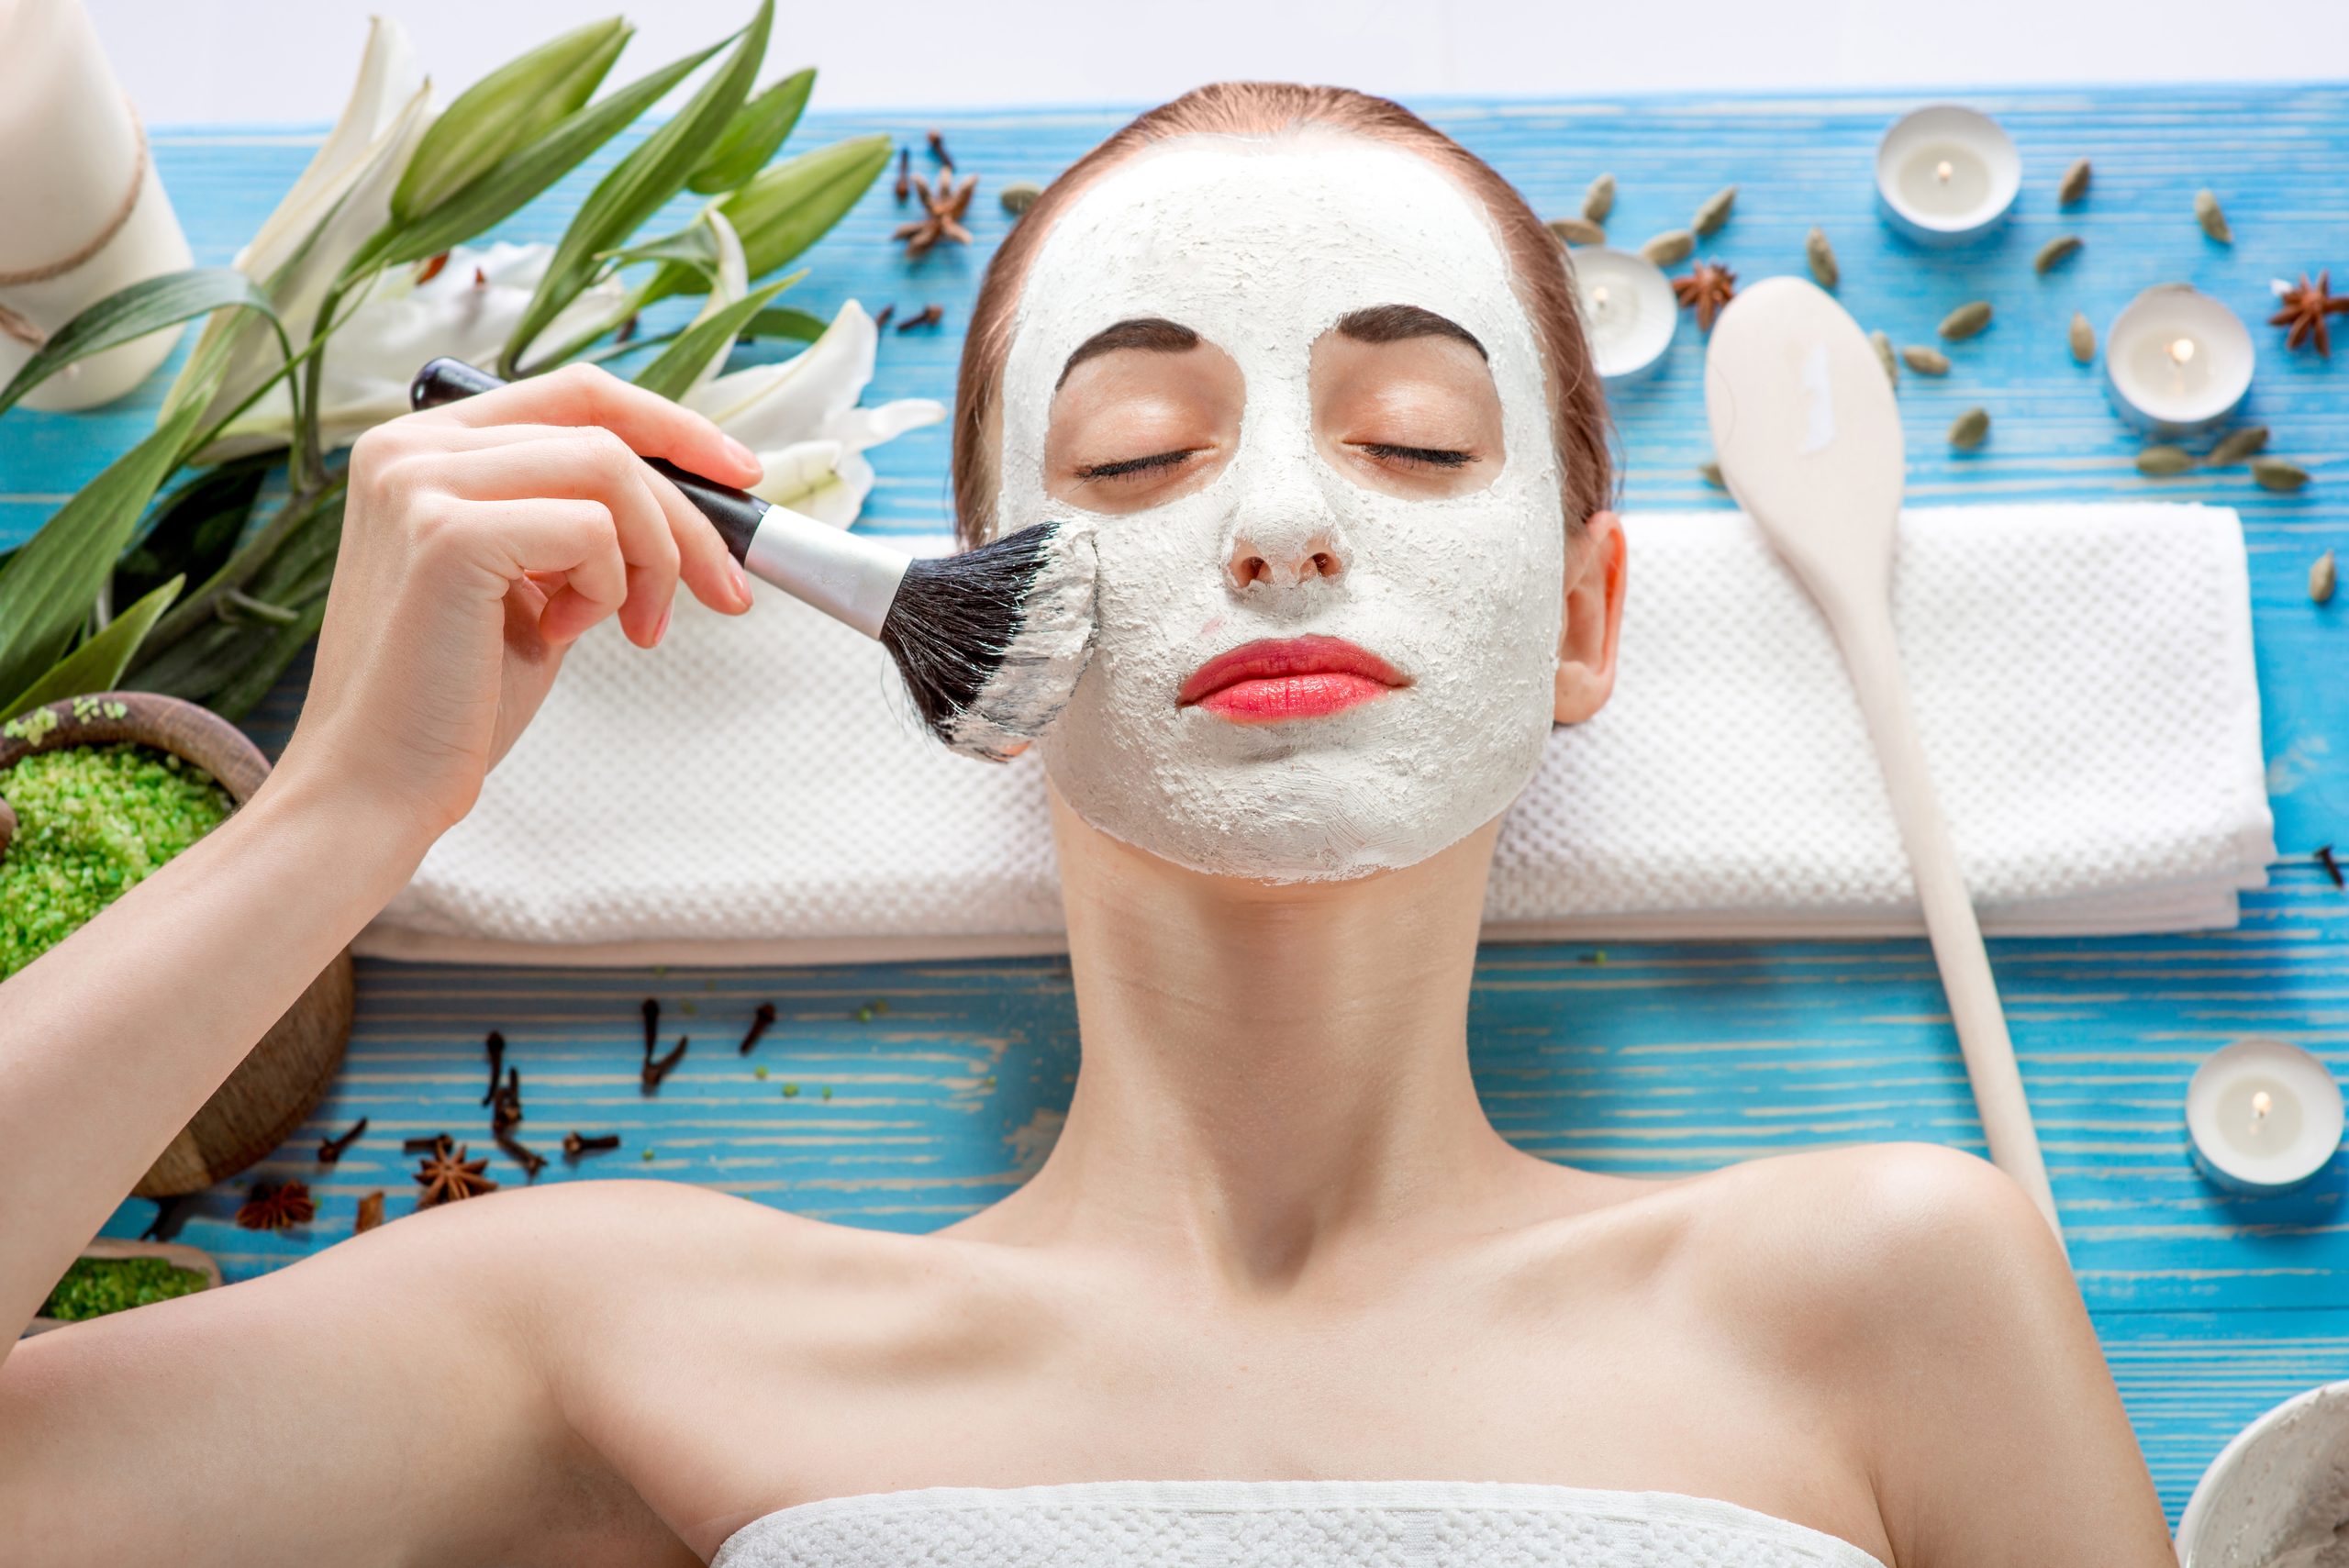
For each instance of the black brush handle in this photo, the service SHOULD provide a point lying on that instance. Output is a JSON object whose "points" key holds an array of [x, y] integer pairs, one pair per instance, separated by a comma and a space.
{"points": [[736, 513]]}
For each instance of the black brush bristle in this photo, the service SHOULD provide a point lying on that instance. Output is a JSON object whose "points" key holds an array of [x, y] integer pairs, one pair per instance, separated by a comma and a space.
{"points": [[956, 616]]}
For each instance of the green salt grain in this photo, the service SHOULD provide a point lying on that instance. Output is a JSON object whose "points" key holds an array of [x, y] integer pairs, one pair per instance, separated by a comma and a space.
{"points": [[92, 822], [94, 1287]]}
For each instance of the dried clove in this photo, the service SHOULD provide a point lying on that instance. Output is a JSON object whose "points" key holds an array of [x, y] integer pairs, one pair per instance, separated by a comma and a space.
{"points": [[651, 1011], [2332, 867], [927, 316], [882, 319], [760, 1022], [530, 1160], [574, 1144], [171, 1213], [656, 1071], [424, 1145], [937, 151], [507, 1109], [905, 186], [330, 1149], [497, 1047]]}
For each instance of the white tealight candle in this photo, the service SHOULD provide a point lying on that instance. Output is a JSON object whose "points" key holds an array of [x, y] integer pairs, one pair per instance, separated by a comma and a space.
{"points": [[1946, 173], [2263, 1116], [1629, 313], [2175, 361]]}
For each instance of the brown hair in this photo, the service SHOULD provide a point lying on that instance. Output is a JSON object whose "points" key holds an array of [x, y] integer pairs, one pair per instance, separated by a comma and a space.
{"points": [[1577, 406]]}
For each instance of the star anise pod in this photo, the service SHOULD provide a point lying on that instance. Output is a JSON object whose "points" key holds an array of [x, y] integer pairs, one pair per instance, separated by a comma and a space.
{"points": [[1708, 288], [447, 1175], [274, 1209], [2304, 311], [943, 209]]}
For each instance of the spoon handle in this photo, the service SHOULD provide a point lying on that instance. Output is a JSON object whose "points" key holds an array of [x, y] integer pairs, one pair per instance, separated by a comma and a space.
{"points": [[1873, 655]]}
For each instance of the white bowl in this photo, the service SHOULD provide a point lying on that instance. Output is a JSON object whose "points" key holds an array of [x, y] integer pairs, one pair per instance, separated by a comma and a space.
{"points": [[2274, 1495]]}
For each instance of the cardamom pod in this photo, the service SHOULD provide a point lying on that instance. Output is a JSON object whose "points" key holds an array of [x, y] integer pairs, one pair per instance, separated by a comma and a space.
{"points": [[2213, 221], [2160, 463], [1600, 200], [2274, 474], [1966, 321], [1715, 212], [1712, 474], [2082, 337], [1672, 246], [1821, 257], [2074, 185], [1924, 360], [2238, 445], [2321, 578], [1881, 342], [1577, 231], [2055, 252], [1968, 429], [1018, 196]]}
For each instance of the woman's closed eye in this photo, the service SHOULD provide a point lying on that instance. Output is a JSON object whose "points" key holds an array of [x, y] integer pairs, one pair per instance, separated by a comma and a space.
{"points": [[1415, 457], [1133, 468]]}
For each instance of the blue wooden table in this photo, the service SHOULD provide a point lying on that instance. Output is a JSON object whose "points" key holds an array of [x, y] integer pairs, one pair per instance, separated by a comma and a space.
{"points": [[1648, 1057]]}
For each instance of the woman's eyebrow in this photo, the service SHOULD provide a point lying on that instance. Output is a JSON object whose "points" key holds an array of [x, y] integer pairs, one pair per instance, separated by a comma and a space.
{"points": [[1393, 323], [1153, 333]]}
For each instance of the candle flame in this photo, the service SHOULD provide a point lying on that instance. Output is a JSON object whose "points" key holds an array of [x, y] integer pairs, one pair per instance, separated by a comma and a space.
{"points": [[2181, 350], [1941, 171], [2261, 1103], [1598, 296]]}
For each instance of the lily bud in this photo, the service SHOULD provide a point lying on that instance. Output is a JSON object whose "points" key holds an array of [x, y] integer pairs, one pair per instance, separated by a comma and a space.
{"points": [[506, 111]]}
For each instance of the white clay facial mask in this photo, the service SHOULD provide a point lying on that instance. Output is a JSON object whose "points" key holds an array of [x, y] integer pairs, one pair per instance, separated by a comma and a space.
{"points": [[1260, 247]]}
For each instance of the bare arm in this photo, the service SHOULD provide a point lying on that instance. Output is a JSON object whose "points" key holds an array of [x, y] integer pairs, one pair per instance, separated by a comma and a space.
{"points": [[480, 540]]}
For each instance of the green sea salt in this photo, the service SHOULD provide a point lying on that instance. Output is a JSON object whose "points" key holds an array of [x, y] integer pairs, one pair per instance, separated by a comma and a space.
{"points": [[94, 1287], [92, 821]]}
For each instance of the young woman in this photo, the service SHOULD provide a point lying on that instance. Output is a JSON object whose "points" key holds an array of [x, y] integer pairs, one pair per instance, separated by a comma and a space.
{"points": [[1280, 1292]]}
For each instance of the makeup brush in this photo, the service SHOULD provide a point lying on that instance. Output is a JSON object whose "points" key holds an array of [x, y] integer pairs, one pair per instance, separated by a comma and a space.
{"points": [[990, 641]]}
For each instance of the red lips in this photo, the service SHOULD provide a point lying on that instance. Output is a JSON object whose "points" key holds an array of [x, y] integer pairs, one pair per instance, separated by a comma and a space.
{"points": [[1282, 678]]}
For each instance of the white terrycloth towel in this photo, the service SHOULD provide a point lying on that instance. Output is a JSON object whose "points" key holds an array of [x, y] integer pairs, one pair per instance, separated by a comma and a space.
{"points": [[756, 791]]}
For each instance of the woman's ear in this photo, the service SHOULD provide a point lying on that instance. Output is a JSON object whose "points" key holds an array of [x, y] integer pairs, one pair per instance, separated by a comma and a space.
{"points": [[1595, 570]]}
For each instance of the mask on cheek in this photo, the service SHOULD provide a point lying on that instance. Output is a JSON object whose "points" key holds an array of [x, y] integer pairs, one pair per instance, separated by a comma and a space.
{"points": [[1260, 247]]}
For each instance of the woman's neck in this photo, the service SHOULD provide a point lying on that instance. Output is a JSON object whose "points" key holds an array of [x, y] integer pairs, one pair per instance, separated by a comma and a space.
{"points": [[1272, 1076]]}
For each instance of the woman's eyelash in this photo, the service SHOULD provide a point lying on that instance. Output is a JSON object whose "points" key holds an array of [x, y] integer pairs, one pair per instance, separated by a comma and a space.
{"points": [[1127, 467], [1434, 456]]}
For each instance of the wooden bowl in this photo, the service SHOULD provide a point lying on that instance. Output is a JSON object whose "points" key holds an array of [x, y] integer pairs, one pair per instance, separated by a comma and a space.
{"points": [[178, 1253], [285, 1076]]}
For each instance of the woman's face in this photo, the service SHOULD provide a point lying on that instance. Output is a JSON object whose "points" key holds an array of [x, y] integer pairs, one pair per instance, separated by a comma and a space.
{"points": [[1290, 384]]}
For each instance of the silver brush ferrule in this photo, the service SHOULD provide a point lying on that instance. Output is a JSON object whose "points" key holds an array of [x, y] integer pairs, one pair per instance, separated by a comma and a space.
{"points": [[848, 576]]}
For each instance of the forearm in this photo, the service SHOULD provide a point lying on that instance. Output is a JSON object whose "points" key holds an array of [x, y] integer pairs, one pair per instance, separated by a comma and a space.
{"points": [[112, 1040]]}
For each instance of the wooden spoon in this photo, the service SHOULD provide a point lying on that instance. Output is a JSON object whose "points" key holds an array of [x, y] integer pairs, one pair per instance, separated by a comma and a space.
{"points": [[1807, 438]]}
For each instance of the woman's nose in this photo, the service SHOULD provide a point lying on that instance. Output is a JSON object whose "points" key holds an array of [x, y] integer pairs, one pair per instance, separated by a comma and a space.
{"points": [[1283, 557]]}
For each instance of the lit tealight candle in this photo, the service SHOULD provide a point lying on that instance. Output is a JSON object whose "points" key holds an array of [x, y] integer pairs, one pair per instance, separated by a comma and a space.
{"points": [[1946, 173], [2176, 362], [2264, 1116], [1629, 313]]}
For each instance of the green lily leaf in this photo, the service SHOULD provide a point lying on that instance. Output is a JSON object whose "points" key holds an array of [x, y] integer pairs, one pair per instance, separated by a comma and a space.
{"points": [[195, 529], [674, 372], [694, 246], [521, 176], [651, 174], [136, 311], [52, 581], [752, 139], [789, 207], [783, 321], [510, 108], [235, 655], [98, 663]]}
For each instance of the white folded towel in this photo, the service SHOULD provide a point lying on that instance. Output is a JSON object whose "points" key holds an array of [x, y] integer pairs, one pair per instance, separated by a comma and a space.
{"points": [[756, 792]]}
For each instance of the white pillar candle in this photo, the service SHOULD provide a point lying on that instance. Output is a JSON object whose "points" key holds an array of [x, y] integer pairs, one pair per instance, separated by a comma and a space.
{"points": [[74, 178], [2175, 361], [2263, 1116], [1629, 313], [1946, 173]]}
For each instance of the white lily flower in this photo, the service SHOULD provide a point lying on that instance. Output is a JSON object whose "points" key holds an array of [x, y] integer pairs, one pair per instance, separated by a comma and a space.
{"points": [[341, 199], [801, 417], [466, 310], [733, 280]]}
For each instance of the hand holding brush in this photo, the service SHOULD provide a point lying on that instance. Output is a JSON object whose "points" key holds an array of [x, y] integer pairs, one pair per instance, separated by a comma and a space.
{"points": [[990, 641]]}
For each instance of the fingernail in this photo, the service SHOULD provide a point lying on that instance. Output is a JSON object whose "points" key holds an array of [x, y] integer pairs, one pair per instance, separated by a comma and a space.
{"points": [[740, 454], [741, 583], [660, 627]]}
